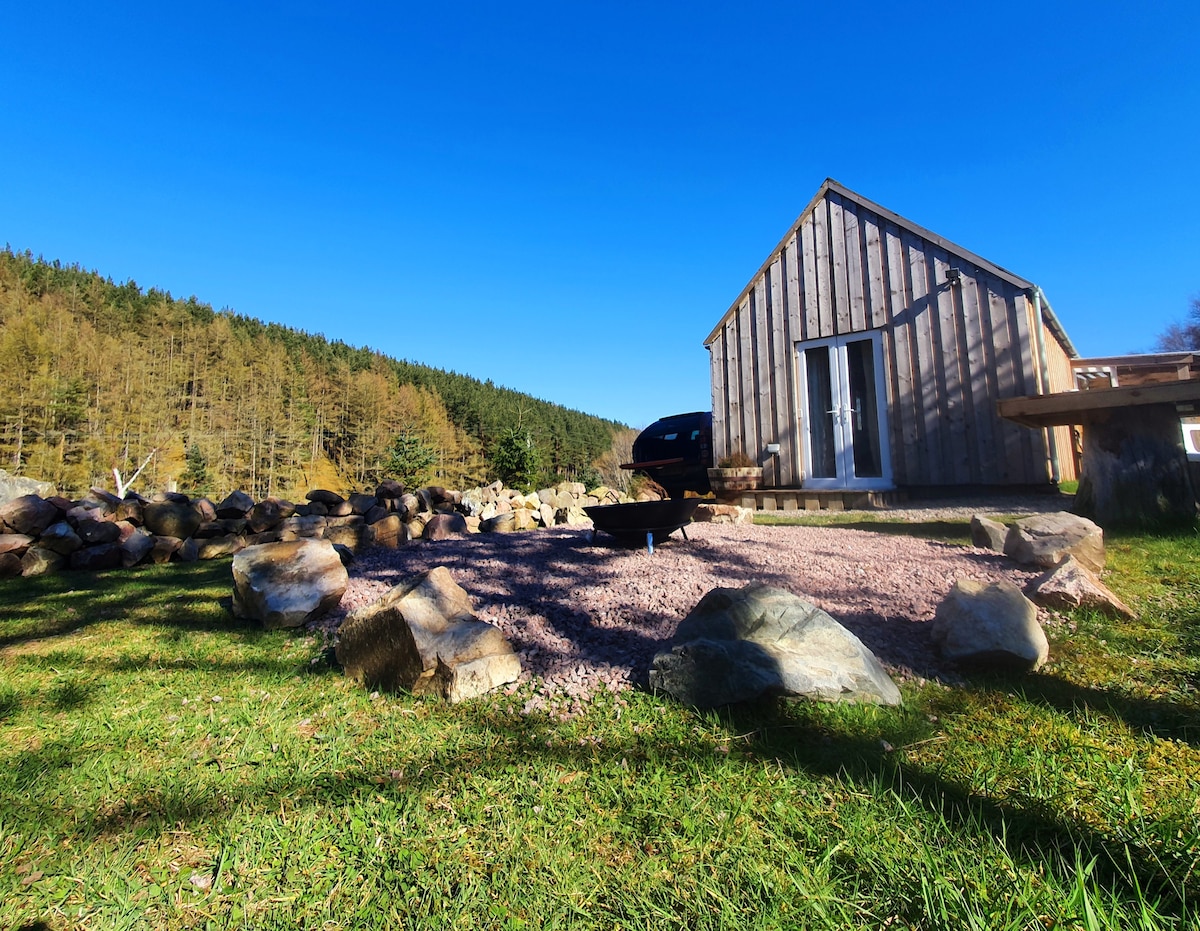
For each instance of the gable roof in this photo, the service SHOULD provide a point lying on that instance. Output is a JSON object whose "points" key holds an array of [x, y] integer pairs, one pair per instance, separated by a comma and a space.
{"points": [[979, 261]]}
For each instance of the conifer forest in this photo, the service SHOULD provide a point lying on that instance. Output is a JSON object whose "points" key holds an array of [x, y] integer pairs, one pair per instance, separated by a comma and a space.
{"points": [[97, 376]]}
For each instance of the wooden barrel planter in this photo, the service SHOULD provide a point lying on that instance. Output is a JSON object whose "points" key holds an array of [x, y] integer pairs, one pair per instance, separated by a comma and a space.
{"points": [[729, 484]]}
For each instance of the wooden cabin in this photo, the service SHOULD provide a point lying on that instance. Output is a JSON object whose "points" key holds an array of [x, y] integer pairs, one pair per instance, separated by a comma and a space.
{"points": [[867, 354]]}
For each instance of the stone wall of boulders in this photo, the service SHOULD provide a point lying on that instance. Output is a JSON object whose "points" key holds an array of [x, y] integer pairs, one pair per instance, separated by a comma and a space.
{"points": [[101, 531]]}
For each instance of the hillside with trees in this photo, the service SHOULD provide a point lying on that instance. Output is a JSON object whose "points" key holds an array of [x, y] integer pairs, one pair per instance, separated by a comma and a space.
{"points": [[96, 375]]}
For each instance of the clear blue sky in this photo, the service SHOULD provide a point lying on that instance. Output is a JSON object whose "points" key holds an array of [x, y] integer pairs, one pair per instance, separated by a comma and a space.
{"points": [[565, 198]]}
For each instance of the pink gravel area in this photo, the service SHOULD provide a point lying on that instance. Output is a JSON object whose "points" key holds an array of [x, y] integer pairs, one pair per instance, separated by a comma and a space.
{"points": [[587, 615]]}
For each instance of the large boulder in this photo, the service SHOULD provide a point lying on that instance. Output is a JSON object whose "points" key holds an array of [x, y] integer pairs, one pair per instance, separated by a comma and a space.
{"points": [[93, 532], [136, 547], [15, 486], [38, 561], [28, 514], [268, 514], [988, 534], [444, 527], [96, 558], [171, 519], [237, 504], [423, 637], [287, 584], [723, 514], [993, 625], [1071, 584], [16, 543], [1045, 540], [739, 644], [61, 538]]}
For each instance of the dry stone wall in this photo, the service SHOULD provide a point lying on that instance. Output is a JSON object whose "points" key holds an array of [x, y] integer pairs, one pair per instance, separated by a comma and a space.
{"points": [[101, 531]]}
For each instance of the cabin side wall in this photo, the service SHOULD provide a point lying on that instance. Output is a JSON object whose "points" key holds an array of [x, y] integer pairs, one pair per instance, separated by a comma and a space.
{"points": [[951, 350]]}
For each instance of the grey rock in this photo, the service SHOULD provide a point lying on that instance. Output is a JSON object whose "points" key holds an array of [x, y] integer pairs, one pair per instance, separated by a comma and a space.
{"points": [[61, 538], [17, 486], [739, 644], [1045, 540], [92, 532], [95, 558], [10, 565], [268, 513], [237, 504], [362, 504], [136, 548], [287, 584], [992, 625], [501, 523], [1071, 585], [328, 498], [988, 534], [216, 547]]}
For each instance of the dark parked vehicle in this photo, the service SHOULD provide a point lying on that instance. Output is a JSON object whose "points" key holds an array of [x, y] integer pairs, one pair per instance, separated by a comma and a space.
{"points": [[676, 452]]}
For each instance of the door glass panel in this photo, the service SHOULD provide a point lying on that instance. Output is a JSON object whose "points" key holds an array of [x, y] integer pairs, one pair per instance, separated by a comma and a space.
{"points": [[821, 424], [864, 413]]}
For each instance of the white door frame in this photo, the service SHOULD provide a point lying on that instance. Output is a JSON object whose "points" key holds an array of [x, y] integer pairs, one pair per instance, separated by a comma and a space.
{"points": [[843, 414]]}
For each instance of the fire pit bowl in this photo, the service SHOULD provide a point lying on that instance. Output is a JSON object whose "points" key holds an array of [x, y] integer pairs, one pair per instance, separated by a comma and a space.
{"points": [[646, 522]]}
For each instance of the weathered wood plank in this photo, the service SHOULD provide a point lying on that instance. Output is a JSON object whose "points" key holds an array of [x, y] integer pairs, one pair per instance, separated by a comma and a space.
{"points": [[896, 268], [904, 400], [956, 428], [856, 284], [717, 362], [795, 297], [929, 438], [748, 377], [1034, 452], [733, 423], [810, 283], [777, 430], [764, 394], [877, 304], [825, 308], [789, 414], [1003, 363], [840, 283], [979, 406]]}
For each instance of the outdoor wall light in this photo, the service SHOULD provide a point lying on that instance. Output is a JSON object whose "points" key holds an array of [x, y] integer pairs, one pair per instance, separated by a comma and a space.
{"points": [[954, 275], [772, 449]]}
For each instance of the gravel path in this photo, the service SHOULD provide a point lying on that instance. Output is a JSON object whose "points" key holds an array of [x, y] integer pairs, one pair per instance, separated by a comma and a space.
{"points": [[586, 615]]}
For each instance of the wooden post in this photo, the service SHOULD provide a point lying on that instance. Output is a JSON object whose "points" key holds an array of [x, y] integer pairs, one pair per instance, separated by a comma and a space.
{"points": [[1135, 469]]}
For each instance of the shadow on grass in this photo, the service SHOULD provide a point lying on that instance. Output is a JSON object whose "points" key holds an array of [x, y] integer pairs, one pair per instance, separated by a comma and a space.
{"points": [[792, 737]]}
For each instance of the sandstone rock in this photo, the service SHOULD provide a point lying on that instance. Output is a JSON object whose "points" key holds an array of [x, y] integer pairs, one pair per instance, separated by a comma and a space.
{"points": [[297, 527], [96, 558], [17, 486], [723, 514], [189, 551], [16, 543], [408, 505], [344, 509], [348, 536], [423, 636], [171, 519], [1070, 585], [61, 538], [39, 561], [375, 514], [328, 498], [310, 508], [205, 508], [132, 510], [10, 565], [28, 514], [573, 517], [389, 488], [988, 534], [362, 504], [164, 549], [101, 499], [1047, 539], [547, 514], [739, 644], [993, 625], [237, 504], [287, 584], [524, 519], [268, 513], [387, 532], [444, 526], [216, 547], [501, 523]]}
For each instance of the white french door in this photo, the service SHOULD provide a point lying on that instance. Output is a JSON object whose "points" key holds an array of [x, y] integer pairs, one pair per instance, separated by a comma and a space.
{"points": [[843, 403]]}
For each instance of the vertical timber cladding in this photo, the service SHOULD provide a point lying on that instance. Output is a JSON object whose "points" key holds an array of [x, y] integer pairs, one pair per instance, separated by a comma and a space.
{"points": [[958, 334]]}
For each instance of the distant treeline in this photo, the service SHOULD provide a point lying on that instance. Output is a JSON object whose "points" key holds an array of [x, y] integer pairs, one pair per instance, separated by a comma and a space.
{"points": [[96, 375]]}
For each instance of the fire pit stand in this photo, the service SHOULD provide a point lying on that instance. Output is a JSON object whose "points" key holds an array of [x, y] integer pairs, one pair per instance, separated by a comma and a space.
{"points": [[651, 521]]}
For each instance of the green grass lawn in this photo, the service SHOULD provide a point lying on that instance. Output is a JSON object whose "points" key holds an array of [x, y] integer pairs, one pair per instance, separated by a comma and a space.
{"points": [[163, 765]]}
